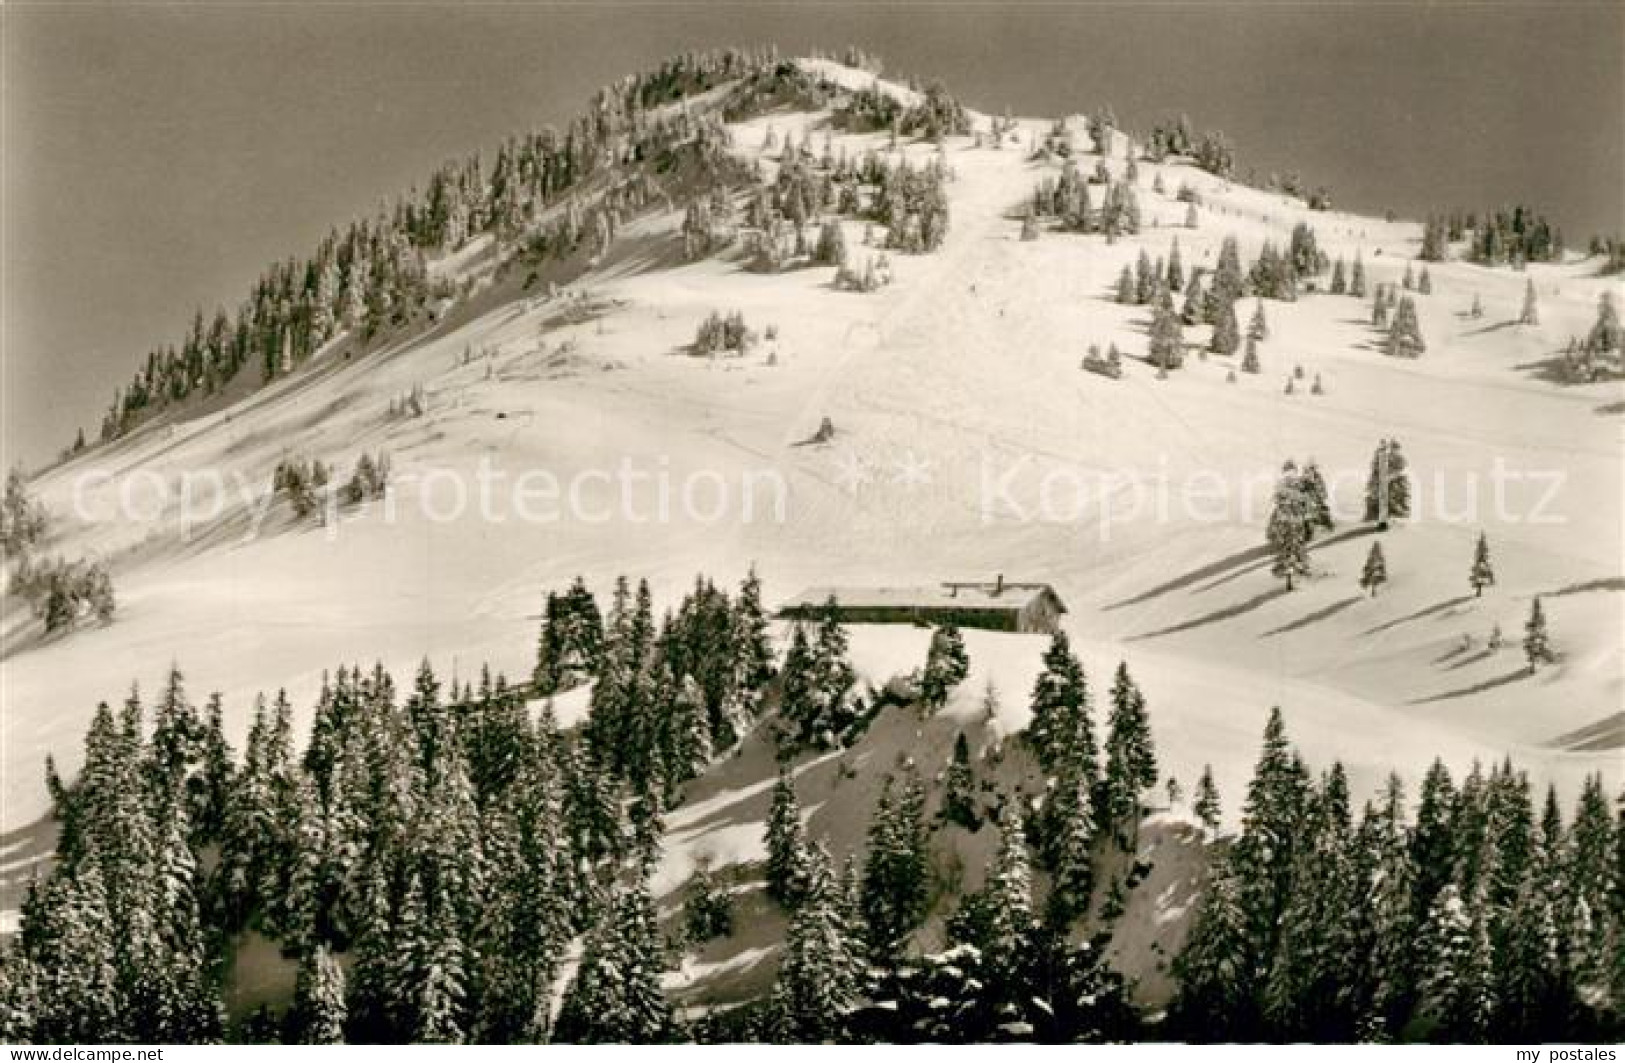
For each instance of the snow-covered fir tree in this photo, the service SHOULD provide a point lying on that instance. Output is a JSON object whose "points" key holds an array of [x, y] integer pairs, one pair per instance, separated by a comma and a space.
{"points": [[1435, 247], [318, 1014], [1388, 487], [1068, 831], [1308, 987], [1228, 284], [1060, 706], [1482, 573], [616, 995], [959, 801], [1317, 498], [894, 886], [1537, 646], [1393, 914], [818, 681], [1217, 983], [1167, 346], [1530, 314], [1404, 338], [786, 844], [1606, 332], [1226, 336], [946, 666], [571, 639], [1174, 278], [1286, 534], [1375, 571], [1131, 760], [818, 979], [1456, 983], [1258, 327], [1205, 803], [707, 906], [1249, 359]]}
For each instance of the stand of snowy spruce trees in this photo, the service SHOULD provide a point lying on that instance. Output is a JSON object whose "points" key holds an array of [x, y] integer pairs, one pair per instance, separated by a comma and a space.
{"points": [[553, 200], [431, 856], [61, 593], [1473, 919]]}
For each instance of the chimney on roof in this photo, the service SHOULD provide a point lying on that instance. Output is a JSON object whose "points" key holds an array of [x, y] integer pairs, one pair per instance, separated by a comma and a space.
{"points": [[998, 585]]}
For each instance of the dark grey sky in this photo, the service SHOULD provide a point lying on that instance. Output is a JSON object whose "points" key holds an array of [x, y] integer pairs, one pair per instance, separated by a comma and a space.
{"points": [[154, 158]]}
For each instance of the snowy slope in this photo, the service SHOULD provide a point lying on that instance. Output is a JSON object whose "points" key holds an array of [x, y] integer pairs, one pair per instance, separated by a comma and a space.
{"points": [[964, 368]]}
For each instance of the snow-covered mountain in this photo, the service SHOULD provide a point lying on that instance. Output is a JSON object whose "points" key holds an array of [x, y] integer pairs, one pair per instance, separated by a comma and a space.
{"points": [[967, 442]]}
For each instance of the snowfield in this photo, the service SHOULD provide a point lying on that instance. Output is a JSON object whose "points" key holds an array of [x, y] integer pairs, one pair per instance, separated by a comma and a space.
{"points": [[968, 442]]}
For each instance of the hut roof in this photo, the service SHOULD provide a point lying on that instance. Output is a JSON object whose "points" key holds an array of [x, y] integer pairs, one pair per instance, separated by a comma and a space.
{"points": [[983, 594]]}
